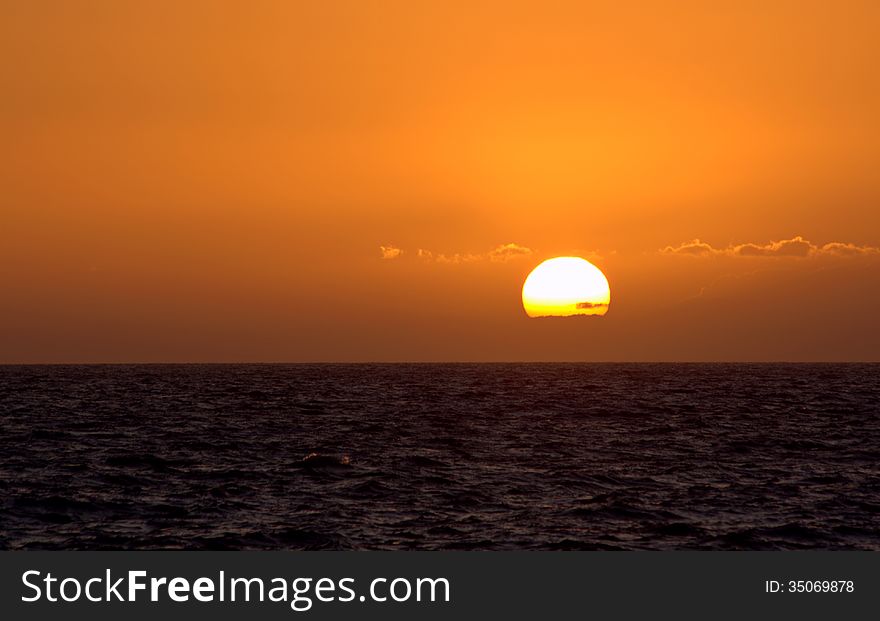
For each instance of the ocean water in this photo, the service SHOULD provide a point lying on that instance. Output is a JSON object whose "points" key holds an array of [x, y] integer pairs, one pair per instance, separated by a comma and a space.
{"points": [[436, 456]]}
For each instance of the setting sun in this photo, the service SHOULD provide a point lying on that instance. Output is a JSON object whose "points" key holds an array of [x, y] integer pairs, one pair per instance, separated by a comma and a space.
{"points": [[566, 286]]}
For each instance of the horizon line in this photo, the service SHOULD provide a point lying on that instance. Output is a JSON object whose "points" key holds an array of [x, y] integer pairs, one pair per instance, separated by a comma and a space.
{"points": [[395, 362]]}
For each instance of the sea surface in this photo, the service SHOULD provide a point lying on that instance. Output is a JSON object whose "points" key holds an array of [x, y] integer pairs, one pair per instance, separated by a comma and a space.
{"points": [[440, 456]]}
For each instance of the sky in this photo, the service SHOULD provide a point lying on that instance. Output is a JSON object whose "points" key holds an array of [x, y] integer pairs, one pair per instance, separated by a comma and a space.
{"points": [[373, 181]]}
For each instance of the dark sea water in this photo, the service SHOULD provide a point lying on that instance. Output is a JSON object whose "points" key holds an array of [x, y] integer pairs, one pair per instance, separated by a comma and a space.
{"points": [[428, 456]]}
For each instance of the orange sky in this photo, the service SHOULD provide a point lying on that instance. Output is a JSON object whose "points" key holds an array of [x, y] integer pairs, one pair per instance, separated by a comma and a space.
{"points": [[213, 181]]}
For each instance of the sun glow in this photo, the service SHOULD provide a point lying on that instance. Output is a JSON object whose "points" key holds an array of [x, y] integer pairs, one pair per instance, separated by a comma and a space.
{"points": [[566, 286]]}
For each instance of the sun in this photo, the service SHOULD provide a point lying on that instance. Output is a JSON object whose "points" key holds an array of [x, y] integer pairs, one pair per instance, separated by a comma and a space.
{"points": [[566, 286]]}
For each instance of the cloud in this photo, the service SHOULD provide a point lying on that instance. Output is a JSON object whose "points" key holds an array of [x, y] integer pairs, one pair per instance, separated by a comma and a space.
{"points": [[390, 252], [427, 255], [794, 247], [797, 247], [588, 305], [694, 247], [499, 254], [505, 252], [848, 250]]}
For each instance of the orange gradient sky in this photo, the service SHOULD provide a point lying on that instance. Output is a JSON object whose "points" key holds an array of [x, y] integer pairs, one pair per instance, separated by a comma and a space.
{"points": [[290, 181]]}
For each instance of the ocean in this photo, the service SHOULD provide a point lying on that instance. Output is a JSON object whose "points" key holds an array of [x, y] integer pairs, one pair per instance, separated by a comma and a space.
{"points": [[440, 456]]}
